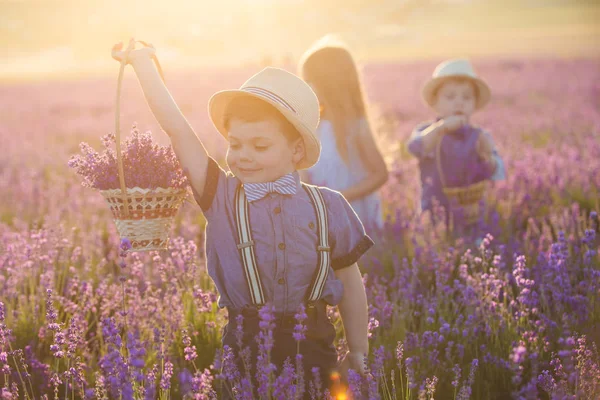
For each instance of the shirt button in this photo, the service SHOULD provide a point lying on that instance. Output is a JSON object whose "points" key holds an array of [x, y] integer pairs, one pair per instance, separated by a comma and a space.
{"points": [[277, 210], [281, 281], [311, 225], [281, 246]]}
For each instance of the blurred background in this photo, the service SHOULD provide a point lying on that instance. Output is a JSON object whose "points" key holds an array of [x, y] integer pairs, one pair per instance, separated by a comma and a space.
{"points": [[541, 59], [58, 38]]}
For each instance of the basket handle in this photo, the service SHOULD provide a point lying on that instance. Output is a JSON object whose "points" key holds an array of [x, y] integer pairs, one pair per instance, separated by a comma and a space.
{"points": [[438, 160], [129, 49]]}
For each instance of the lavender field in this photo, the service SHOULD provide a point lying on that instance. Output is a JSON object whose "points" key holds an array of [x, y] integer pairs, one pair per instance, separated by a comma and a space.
{"points": [[515, 315]]}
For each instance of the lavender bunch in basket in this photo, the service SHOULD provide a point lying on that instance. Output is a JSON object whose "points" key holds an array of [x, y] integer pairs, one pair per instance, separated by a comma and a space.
{"points": [[146, 164]]}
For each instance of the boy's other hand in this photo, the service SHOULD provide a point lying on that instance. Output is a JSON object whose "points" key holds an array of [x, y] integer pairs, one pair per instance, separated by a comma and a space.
{"points": [[352, 360], [453, 122], [485, 148]]}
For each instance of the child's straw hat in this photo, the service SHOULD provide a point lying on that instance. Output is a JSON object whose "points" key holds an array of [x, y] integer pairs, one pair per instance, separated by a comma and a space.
{"points": [[289, 94], [456, 68]]}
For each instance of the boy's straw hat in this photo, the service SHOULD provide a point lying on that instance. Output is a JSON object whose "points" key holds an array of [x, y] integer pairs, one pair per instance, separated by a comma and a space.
{"points": [[457, 68], [289, 94]]}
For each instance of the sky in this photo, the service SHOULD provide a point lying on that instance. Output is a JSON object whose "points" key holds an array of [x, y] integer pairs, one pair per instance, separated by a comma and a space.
{"points": [[68, 36]]}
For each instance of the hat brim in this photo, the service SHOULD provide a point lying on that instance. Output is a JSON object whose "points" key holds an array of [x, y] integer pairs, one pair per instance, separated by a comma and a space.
{"points": [[217, 106], [483, 90]]}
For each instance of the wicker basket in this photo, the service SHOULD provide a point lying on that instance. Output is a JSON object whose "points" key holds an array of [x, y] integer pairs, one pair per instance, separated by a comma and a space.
{"points": [[149, 214], [464, 202]]}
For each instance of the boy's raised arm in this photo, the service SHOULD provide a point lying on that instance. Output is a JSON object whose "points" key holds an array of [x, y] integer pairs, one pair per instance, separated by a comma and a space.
{"points": [[422, 141], [187, 146]]}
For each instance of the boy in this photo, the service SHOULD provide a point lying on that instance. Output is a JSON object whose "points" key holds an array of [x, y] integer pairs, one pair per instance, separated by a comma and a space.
{"points": [[467, 153], [270, 238]]}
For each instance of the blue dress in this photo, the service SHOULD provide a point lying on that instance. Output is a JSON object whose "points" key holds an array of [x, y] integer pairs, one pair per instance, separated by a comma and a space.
{"points": [[331, 171]]}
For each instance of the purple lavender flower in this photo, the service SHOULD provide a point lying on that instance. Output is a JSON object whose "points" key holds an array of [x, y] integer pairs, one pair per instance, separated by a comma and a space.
{"points": [[145, 164], [137, 353], [410, 373], [202, 385], [165, 380], [399, 354], [519, 353], [430, 385], [300, 329], [378, 362], [546, 382], [315, 385], [125, 244], [355, 384], [264, 367], [189, 350], [457, 372], [113, 363], [239, 331], [284, 384]]}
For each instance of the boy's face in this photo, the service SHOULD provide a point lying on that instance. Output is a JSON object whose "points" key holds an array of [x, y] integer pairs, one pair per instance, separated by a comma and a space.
{"points": [[260, 152], [455, 97]]}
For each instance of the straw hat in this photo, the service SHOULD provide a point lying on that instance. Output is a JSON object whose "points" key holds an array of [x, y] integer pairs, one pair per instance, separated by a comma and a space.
{"points": [[289, 94], [458, 68]]}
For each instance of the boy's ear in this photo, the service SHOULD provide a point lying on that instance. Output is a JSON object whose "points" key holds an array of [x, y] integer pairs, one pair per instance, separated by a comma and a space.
{"points": [[298, 150]]}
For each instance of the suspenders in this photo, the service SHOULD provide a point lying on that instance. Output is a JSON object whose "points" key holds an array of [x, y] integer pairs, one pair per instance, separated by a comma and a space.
{"points": [[246, 247], [323, 250]]}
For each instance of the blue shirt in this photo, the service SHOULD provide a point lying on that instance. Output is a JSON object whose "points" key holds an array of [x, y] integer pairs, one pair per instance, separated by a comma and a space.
{"points": [[460, 162], [284, 229]]}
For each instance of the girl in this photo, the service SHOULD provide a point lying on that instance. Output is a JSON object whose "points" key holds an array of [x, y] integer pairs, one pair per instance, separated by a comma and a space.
{"points": [[350, 161]]}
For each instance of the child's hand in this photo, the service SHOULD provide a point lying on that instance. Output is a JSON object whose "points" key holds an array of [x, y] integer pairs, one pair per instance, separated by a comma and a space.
{"points": [[485, 148], [453, 122], [118, 53], [355, 361]]}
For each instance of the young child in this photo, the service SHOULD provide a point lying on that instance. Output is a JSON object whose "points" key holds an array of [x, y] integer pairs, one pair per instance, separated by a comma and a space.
{"points": [[350, 160], [467, 153], [269, 238]]}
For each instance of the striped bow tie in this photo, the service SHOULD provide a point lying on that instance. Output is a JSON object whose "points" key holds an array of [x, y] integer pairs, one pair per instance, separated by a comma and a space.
{"points": [[284, 185]]}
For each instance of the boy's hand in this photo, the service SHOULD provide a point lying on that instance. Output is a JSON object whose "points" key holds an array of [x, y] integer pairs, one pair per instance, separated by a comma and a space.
{"points": [[453, 122], [355, 361], [118, 53], [485, 148]]}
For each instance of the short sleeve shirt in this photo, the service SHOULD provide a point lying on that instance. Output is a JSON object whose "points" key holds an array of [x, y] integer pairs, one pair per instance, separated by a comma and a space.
{"points": [[284, 230]]}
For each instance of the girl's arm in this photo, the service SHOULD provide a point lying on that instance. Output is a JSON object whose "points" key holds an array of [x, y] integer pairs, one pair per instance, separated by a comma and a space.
{"points": [[187, 146], [353, 309], [373, 161]]}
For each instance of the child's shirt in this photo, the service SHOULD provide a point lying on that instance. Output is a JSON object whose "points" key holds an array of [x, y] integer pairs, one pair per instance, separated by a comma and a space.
{"points": [[284, 230], [460, 162], [333, 172]]}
